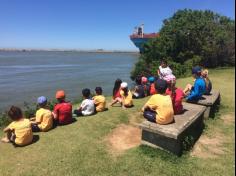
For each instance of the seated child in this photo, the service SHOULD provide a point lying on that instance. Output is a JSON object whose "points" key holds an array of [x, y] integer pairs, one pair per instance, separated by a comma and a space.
{"points": [[152, 89], [44, 118], [116, 98], [19, 131], [175, 93], [198, 89], [62, 112], [126, 96], [207, 81], [164, 70], [159, 107], [145, 85], [87, 106], [139, 88], [99, 100]]}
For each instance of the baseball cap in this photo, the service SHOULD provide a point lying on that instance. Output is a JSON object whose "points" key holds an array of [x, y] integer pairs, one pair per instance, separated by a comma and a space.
{"points": [[60, 94], [144, 79], [196, 70], [124, 85], [151, 79], [41, 100]]}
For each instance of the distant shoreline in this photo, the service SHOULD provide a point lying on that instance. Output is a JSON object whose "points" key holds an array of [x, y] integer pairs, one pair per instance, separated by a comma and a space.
{"points": [[69, 50]]}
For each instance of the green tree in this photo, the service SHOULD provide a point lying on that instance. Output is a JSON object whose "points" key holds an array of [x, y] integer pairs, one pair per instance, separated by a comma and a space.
{"points": [[188, 38]]}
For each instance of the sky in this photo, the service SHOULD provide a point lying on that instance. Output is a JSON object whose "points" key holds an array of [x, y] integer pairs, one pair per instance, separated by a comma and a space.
{"points": [[89, 24]]}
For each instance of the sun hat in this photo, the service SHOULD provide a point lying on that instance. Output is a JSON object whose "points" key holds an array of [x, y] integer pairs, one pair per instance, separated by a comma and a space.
{"points": [[60, 94], [124, 85], [144, 80], [151, 79], [170, 78], [196, 70], [41, 100]]}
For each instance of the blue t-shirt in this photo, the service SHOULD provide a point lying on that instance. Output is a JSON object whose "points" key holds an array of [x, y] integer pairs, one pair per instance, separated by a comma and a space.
{"points": [[198, 90]]}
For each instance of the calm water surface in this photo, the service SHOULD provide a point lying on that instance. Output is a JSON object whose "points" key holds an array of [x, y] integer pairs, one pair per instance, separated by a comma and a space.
{"points": [[26, 75]]}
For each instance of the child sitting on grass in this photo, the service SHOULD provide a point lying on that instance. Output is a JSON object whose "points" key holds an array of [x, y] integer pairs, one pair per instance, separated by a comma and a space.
{"points": [[116, 98], [18, 132], [152, 89], [99, 100], [145, 85], [126, 96], [44, 118], [139, 88], [158, 108], [175, 93], [164, 70], [87, 106], [62, 112], [207, 81], [195, 92]]}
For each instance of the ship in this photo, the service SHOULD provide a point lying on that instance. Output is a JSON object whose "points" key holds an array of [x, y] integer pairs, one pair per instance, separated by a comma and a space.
{"points": [[139, 38]]}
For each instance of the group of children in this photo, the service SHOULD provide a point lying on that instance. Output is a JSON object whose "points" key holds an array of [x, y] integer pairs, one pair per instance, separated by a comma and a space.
{"points": [[165, 101]]}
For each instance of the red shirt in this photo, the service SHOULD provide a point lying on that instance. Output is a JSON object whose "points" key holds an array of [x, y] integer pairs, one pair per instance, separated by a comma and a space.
{"points": [[117, 94], [64, 112], [152, 89], [176, 99]]}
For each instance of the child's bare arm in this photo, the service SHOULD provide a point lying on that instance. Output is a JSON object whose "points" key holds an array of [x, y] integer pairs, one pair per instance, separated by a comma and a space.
{"points": [[5, 130]]}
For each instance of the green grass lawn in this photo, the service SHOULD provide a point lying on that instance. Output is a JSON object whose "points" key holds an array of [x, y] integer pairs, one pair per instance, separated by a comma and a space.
{"points": [[80, 149]]}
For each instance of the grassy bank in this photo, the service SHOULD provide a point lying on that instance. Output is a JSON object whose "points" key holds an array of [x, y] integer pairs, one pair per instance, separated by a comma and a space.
{"points": [[80, 148]]}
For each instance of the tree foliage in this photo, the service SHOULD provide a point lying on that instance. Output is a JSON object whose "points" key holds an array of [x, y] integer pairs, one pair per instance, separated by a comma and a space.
{"points": [[188, 38]]}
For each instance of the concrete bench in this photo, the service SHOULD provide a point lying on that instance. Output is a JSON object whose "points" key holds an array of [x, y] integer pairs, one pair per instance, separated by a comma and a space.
{"points": [[211, 102], [171, 137]]}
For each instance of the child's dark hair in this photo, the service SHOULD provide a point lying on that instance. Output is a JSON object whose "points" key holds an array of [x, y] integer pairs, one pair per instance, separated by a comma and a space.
{"points": [[163, 61], [116, 86], [126, 90], [98, 90], [86, 92], [15, 113], [161, 86], [42, 105], [138, 80]]}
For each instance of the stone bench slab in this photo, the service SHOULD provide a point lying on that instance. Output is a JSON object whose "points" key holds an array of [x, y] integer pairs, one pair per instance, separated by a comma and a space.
{"points": [[211, 102], [171, 136]]}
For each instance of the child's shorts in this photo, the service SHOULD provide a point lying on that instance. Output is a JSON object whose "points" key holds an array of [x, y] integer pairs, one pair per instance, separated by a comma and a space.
{"points": [[150, 115], [78, 113], [35, 128]]}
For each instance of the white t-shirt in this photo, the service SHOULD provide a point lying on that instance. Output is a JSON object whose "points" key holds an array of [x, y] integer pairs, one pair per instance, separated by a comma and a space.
{"points": [[88, 107], [164, 72]]}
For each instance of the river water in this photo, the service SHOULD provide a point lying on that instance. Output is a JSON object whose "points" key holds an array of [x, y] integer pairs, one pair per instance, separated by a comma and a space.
{"points": [[26, 75]]}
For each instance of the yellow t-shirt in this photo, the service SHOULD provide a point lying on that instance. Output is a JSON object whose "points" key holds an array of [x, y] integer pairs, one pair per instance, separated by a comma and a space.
{"points": [[127, 100], [45, 119], [162, 104], [100, 102], [23, 131]]}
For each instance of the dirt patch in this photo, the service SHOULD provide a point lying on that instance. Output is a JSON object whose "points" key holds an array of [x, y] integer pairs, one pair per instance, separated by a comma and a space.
{"points": [[207, 147], [123, 138], [228, 119]]}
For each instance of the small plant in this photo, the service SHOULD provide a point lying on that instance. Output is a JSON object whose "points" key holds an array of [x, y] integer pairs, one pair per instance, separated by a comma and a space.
{"points": [[29, 110], [4, 119], [188, 143]]}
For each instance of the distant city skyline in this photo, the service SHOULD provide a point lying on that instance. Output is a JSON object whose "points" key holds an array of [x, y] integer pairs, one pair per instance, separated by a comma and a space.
{"points": [[89, 25]]}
